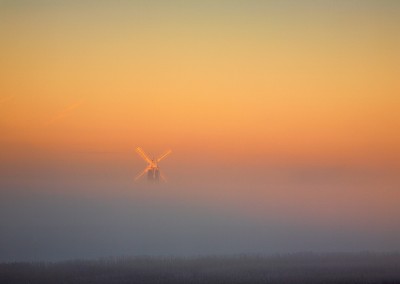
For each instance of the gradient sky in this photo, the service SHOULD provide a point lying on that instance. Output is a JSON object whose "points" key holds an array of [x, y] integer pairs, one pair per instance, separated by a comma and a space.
{"points": [[283, 118]]}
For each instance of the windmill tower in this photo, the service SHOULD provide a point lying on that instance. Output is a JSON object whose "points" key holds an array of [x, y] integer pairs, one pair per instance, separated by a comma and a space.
{"points": [[152, 170]]}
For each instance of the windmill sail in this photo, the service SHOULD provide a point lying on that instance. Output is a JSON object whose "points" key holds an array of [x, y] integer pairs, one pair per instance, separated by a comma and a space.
{"points": [[152, 170]]}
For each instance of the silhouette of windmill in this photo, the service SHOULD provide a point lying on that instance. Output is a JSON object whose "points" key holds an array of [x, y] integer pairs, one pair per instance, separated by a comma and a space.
{"points": [[152, 170]]}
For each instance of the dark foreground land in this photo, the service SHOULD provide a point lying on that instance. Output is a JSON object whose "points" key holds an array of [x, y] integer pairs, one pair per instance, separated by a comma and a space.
{"points": [[295, 268]]}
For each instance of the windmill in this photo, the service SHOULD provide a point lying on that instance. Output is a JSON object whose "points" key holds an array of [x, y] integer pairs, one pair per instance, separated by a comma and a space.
{"points": [[152, 170]]}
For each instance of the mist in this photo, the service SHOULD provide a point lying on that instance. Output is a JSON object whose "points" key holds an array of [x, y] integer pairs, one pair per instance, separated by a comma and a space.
{"points": [[60, 212]]}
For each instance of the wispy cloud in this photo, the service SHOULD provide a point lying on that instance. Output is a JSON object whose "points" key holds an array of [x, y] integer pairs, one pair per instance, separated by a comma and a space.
{"points": [[65, 112]]}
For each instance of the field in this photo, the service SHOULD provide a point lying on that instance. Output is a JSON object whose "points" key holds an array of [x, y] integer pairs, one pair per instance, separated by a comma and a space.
{"points": [[291, 268]]}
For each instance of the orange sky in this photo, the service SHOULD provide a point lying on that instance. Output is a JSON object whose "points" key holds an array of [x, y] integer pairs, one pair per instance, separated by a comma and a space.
{"points": [[319, 82]]}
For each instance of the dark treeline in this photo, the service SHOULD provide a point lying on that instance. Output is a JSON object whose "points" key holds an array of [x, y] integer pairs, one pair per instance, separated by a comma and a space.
{"points": [[291, 268]]}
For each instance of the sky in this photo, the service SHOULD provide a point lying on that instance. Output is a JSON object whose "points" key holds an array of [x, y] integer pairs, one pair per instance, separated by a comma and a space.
{"points": [[282, 117]]}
